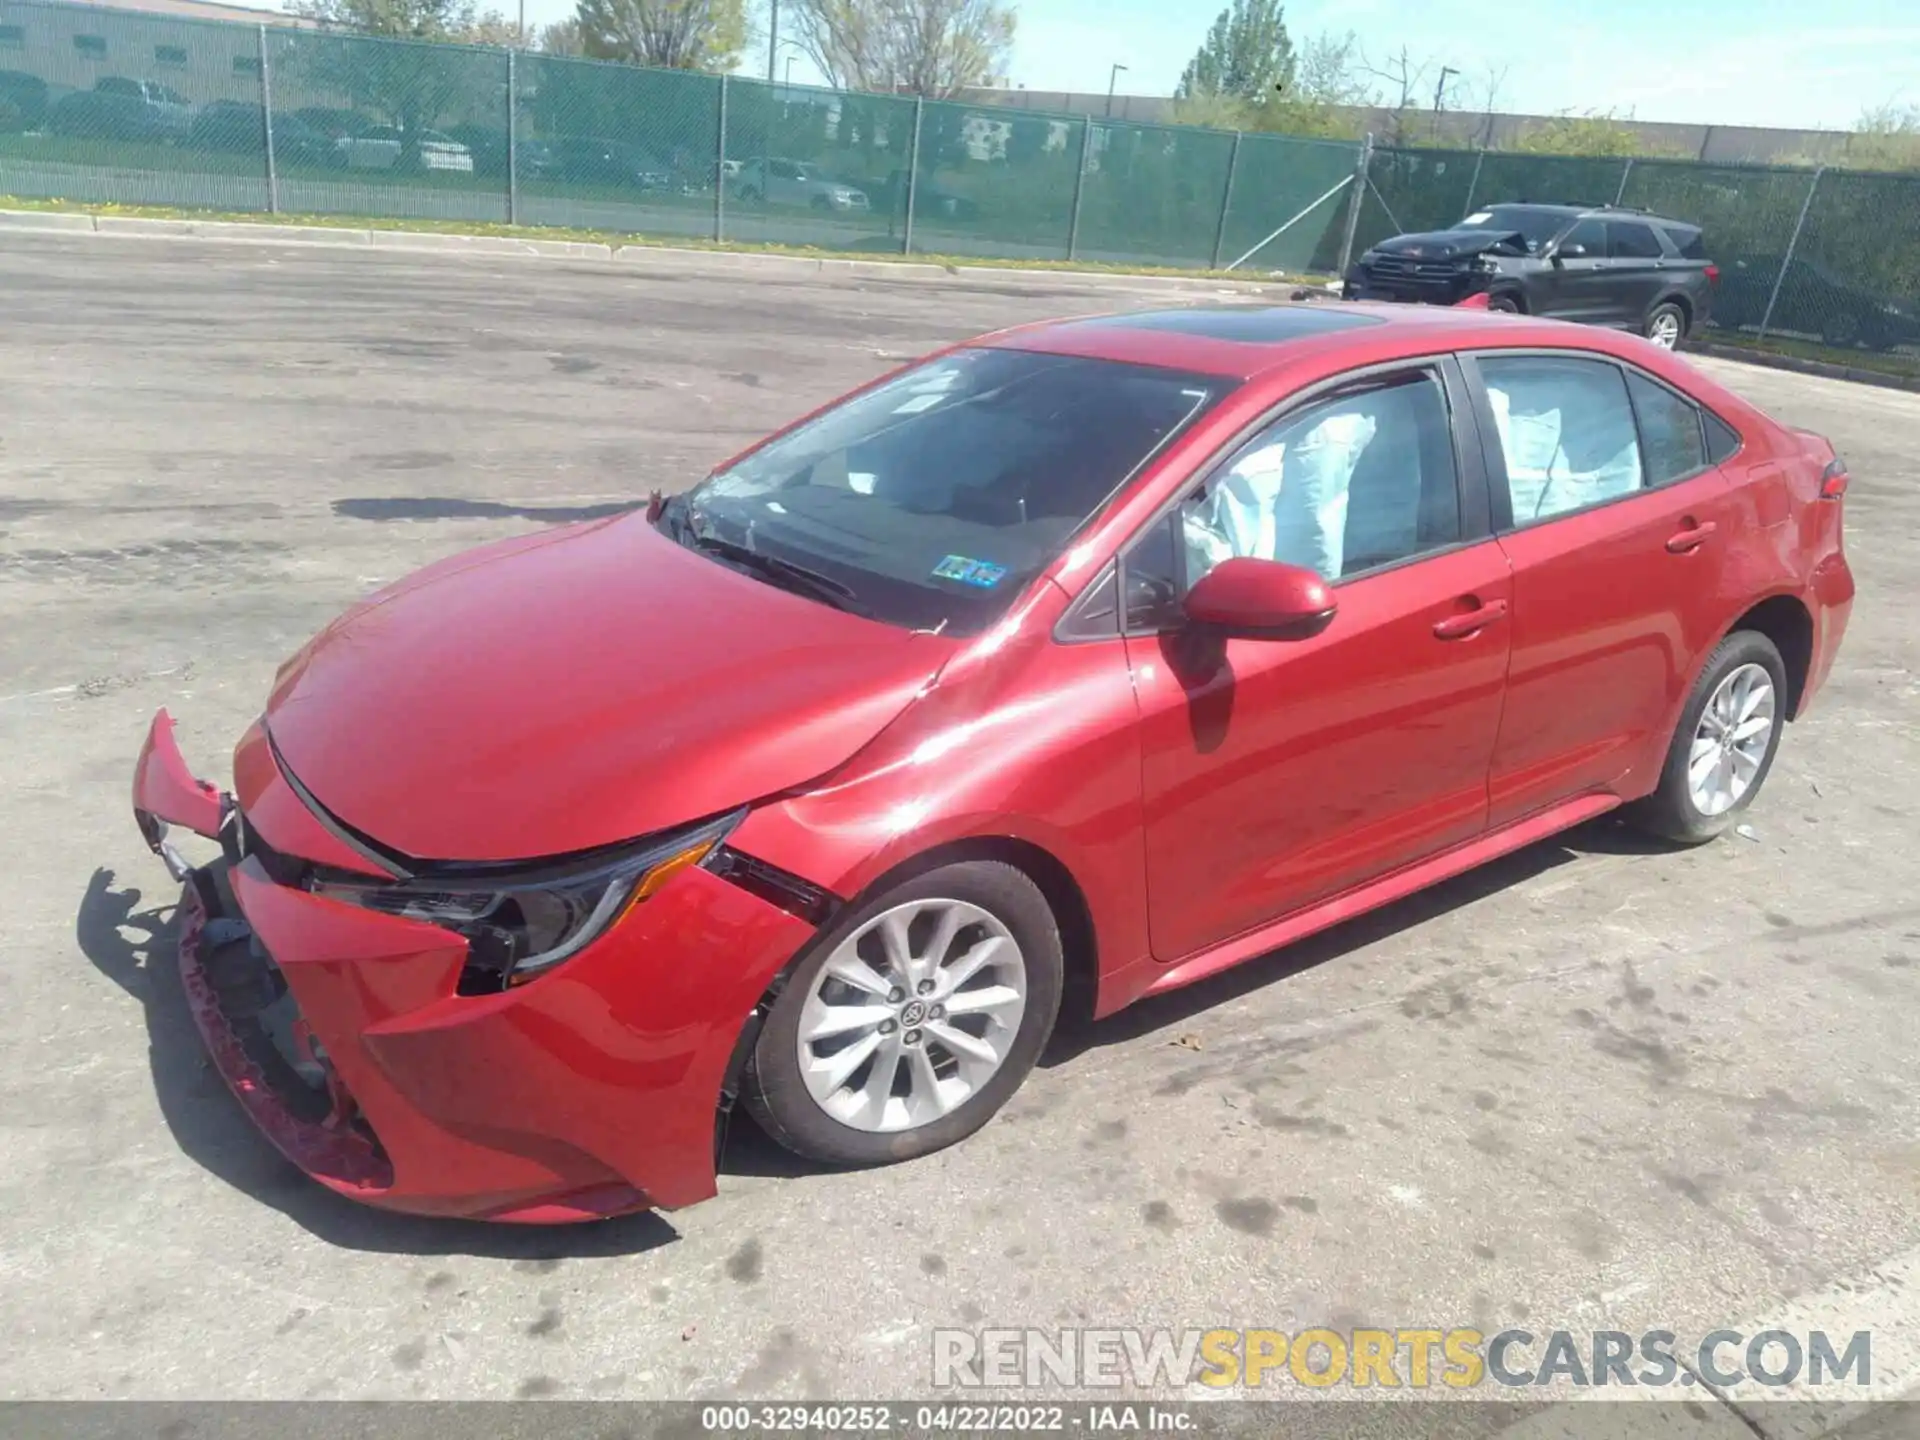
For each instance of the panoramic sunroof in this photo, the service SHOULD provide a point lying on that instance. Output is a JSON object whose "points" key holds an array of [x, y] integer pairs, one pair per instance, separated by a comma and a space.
{"points": [[1246, 324]]}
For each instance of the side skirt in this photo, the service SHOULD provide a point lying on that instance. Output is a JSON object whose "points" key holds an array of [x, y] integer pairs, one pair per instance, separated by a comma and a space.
{"points": [[1395, 885]]}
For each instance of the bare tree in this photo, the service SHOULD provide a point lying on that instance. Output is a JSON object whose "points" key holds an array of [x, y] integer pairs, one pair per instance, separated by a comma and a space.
{"points": [[1483, 94], [1403, 77], [677, 34], [935, 48]]}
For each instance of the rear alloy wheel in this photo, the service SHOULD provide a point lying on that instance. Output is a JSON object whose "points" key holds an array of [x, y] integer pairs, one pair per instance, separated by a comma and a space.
{"points": [[913, 1021], [1667, 325], [1725, 743]]}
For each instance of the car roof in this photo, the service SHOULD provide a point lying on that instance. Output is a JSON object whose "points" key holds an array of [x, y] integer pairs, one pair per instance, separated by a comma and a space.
{"points": [[1242, 342], [1561, 207]]}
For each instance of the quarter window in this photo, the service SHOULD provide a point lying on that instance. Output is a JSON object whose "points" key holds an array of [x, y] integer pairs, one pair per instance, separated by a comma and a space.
{"points": [[1152, 575], [1352, 483], [1670, 438], [1722, 440], [1566, 433]]}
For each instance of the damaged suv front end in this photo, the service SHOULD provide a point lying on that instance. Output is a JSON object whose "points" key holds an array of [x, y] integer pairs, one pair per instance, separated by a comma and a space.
{"points": [[1443, 267]]}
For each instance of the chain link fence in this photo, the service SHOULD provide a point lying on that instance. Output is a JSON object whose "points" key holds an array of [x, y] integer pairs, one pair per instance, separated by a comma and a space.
{"points": [[136, 108]]}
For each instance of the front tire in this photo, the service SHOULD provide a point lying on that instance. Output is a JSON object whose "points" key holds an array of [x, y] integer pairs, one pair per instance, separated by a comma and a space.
{"points": [[1723, 748], [912, 1021], [1504, 304], [1666, 325]]}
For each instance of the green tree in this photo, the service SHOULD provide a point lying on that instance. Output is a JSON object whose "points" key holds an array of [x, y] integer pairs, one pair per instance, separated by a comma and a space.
{"points": [[1885, 138], [455, 20], [415, 72], [1321, 100], [670, 34], [1247, 55], [1592, 134]]}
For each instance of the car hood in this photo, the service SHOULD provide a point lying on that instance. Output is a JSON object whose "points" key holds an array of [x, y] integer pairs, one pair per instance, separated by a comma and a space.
{"points": [[576, 688], [1453, 244]]}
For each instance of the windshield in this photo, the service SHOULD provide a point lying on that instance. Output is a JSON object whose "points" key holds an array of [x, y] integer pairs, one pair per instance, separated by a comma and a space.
{"points": [[1539, 226], [932, 500]]}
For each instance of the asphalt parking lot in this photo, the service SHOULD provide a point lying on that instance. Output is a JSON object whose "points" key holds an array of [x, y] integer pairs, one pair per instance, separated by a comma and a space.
{"points": [[1594, 1085]]}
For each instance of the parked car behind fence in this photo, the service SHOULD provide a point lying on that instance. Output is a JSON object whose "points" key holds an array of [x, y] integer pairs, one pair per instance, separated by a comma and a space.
{"points": [[386, 147]]}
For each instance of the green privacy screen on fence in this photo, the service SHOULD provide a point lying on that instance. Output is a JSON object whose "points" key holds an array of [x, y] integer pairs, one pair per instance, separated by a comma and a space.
{"points": [[118, 106]]}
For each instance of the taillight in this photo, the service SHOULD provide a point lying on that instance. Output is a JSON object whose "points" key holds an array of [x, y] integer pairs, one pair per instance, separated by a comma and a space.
{"points": [[1713, 274], [1833, 481]]}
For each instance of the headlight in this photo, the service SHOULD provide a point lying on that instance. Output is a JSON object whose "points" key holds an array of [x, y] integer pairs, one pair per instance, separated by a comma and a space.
{"points": [[1486, 264], [520, 922]]}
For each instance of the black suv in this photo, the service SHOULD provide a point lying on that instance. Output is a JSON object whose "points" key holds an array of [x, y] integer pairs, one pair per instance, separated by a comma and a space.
{"points": [[1599, 264]]}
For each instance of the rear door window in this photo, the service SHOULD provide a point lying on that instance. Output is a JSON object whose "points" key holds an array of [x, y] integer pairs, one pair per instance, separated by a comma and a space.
{"points": [[1632, 240], [1566, 433]]}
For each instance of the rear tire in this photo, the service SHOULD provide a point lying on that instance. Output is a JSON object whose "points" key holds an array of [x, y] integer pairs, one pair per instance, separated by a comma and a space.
{"points": [[1706, 785], [947, 1072], [1666, 325]]}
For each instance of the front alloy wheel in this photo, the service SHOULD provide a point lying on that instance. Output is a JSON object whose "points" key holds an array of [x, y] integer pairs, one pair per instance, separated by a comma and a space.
{"points": [[912, 1020], [912, 1015]]}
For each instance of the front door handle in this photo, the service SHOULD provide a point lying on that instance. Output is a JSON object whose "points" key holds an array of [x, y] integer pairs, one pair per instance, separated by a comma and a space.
{"points": [[1691, 539], [1471, 622]]}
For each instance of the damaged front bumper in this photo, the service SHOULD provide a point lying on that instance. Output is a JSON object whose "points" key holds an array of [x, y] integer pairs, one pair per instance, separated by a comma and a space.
{"points": [[1437, 285], [588, 1092]]}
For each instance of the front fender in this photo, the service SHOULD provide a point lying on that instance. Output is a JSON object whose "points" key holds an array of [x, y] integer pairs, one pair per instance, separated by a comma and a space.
{"points": [[1040, 747]]}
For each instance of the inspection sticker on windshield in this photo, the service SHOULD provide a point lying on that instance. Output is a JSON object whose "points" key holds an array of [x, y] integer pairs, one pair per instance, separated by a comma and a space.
{"points": [[970, 572]]}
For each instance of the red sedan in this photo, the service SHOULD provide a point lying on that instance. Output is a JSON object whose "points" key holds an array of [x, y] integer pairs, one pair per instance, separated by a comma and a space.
{"points": [[1076, 663]]}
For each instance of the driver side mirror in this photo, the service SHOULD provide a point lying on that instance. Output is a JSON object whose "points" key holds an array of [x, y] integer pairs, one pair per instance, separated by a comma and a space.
{"points": [[1251, 599], [1568, 252]]}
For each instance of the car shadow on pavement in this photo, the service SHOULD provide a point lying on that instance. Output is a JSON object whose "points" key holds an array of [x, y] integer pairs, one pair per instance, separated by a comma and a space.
{"points": [[135, 947], [1604, 836]]}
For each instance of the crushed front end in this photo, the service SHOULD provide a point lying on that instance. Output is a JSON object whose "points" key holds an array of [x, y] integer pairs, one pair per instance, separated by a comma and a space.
{"points": [[1443, 268], [386, 1035]]}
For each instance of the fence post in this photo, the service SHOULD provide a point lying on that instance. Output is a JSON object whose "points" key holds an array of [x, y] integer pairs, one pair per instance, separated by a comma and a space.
{"points": [[513, 138], [266, 121], [1226, 201], [1080, 187], [1792, 244], [1355, 200], [720, 172], [1473, 184], [913, 173], [1621, 193]]}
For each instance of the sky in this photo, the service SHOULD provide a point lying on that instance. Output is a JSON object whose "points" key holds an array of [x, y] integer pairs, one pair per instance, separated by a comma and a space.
{"points": [[1735, 62], [1800, 64]]}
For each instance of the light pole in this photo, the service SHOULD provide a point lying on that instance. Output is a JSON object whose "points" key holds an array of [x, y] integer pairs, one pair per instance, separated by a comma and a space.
{"points": [[773, 34], [1112, 77]]}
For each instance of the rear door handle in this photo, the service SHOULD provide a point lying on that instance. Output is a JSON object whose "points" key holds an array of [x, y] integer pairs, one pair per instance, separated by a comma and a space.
{"points": [[1472, 622], [1691, 539]]}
